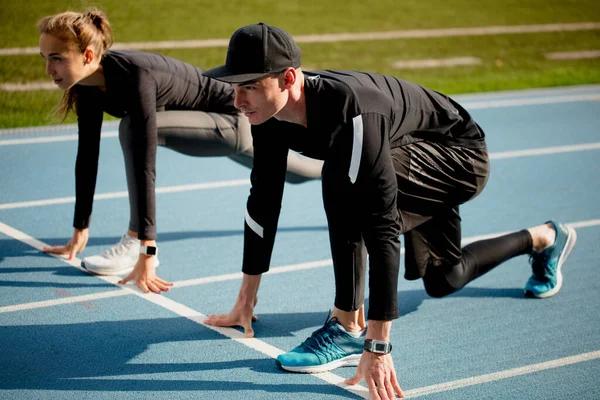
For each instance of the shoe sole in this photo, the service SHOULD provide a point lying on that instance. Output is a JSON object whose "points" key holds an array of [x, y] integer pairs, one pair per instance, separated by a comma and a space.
{"points": [[111, 272], [348, 361], [571, 240]]}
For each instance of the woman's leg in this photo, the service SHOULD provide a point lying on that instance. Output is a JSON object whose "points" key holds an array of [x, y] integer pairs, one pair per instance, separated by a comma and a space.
{"points": [[202, 134], [120, 258]]}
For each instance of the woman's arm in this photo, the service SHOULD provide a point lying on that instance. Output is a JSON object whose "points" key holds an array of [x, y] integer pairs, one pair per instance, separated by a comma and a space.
{"points": [[89, 121]]}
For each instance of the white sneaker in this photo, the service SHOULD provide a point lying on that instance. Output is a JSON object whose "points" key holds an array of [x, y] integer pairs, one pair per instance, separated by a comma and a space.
{"points": [[118, 259]]}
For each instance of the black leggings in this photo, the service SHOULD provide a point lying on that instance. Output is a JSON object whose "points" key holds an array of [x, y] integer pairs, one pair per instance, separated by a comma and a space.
{"points": [[442, 278]]}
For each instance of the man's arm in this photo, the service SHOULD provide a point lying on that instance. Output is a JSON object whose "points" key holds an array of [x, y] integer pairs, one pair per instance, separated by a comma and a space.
{"points": [[262, 214], [264, 202], [242, 313], [376, 188]]}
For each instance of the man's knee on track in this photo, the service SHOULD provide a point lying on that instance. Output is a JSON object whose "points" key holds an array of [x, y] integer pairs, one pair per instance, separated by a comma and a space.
{"points": [[436, 280]]}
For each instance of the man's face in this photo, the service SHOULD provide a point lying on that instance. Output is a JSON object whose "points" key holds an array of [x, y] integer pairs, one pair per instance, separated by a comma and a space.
{"points": [[64, 65], [261, 100]]}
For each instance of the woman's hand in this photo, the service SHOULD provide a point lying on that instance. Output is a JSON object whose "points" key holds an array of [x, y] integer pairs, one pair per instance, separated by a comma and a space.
{"points": [[73, 246], [144, 275]]}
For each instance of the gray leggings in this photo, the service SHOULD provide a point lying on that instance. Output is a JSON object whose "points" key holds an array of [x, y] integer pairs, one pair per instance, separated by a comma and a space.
{"points": [[202, 134]]}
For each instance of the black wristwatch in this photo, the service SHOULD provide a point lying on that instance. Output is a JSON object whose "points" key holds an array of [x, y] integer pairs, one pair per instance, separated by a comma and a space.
{"points": [[377, 346], [149, 250]]}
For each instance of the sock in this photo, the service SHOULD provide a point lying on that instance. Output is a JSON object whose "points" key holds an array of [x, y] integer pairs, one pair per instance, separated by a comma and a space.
{"points": [[131, 237], [353, 334], [357, 334]]}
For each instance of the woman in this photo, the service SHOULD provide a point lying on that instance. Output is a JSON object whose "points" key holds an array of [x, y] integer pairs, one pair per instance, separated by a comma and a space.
{"points": [[162, 101]]}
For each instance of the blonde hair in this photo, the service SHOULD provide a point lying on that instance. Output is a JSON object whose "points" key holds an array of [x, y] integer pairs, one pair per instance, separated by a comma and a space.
{"points": [[79, 30]]}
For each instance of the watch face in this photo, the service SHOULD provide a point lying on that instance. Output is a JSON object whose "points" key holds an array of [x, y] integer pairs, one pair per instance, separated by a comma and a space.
{"points": [[151, 250], [380, 347]]}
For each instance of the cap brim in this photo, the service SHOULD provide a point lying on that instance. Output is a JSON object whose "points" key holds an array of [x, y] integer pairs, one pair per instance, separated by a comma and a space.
{"points": [[223, 73]]}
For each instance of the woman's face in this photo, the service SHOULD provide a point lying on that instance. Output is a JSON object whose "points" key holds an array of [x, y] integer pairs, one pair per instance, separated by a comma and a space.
{"points": [[65, 66]]}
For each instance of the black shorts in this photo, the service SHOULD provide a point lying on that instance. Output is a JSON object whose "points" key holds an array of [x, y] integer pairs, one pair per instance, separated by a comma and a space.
{"points": [[433, 180]]}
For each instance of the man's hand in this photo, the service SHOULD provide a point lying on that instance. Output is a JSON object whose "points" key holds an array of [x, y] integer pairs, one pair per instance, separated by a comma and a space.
{"points": [[378, 369], [73, 246], [379, 373], [242, 313], [144, 275]]}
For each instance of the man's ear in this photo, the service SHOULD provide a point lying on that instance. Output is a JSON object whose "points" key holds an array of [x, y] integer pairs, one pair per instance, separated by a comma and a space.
{"points": [[289, 77]]}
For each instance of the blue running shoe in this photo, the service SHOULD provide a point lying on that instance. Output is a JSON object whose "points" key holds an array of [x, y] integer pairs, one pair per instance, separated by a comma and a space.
{"points": [[547, 277], [329, 347]]}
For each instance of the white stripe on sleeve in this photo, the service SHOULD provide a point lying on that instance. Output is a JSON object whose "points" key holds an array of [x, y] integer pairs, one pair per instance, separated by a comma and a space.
{"points": [[357, 145], [253, 225]]}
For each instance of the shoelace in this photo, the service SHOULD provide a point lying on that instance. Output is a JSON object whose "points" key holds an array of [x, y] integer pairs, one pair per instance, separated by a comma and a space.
{"points": [[116, 250], [321, 342]]}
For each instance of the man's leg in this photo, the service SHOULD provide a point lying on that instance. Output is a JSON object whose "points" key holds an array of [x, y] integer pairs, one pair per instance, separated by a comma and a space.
{"points": [[433, 180], [434, 249]]}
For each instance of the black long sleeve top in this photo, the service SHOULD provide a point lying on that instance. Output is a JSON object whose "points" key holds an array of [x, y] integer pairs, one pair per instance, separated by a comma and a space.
{"points": [[138, 84], [359, 108]]}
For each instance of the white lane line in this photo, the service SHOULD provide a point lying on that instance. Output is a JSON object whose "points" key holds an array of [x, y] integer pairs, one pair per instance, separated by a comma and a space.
{"points": [[461, 98], [584, 224], [186, 312], [436, 63], [273, 352], [345, 37], [544, 151], [64, 300], [51, 139], [244, 182], [116, 195], [496, 376], [574, 55], [529, 101], [60, 128], [238, 275], [472, 101], [179, 284], [329, 261], [524, 93], [476, 101], [232, 276]]}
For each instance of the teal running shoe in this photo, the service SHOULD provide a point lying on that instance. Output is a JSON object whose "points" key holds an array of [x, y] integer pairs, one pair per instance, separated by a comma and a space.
{"points": [[329, 347], [547, 277]]}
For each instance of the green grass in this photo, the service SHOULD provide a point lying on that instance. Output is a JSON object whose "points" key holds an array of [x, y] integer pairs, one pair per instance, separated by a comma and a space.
{"points": [[508, 61]]}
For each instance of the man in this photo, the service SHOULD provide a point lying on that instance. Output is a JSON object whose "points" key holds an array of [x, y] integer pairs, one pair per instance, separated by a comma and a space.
{"points": [[398, 159]]}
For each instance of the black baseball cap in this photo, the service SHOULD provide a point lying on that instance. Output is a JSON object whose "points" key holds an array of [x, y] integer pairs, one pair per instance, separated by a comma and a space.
{"points": [[256, 51]]}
